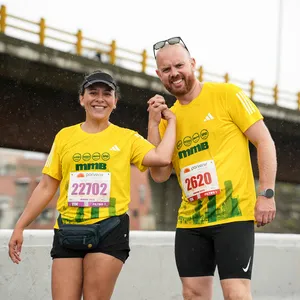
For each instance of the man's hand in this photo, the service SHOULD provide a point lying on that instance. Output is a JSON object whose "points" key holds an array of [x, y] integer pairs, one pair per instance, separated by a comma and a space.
{"points": [[168, 115], [156, 105], [265, 210]]}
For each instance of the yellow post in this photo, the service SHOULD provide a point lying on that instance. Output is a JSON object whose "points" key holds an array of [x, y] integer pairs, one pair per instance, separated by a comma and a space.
{"points": [[298, 100], [3, 18], [252, 89], [200, 77], [42, 31], [144, 61], [275, 94], [226, 77], [79, 42], [113, 52]]}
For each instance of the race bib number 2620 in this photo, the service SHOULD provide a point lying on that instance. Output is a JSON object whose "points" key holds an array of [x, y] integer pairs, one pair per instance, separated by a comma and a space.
{"points": [[199, 180]]}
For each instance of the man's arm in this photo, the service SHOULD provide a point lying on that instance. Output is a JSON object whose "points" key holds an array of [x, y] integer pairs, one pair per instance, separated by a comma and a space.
{"points": [[259, 136], [158, 174]]}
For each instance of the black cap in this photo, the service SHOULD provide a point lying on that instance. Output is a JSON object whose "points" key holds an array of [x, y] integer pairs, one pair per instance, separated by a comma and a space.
{"points": [[100, 77]]}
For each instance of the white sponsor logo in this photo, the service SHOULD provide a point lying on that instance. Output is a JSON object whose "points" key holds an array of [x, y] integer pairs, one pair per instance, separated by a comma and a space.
{"points": [[208, 117], [115, 148], [246, 269]]}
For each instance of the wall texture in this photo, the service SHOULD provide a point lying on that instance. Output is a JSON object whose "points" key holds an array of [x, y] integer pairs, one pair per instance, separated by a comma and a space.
{"points": [[150, 272]]}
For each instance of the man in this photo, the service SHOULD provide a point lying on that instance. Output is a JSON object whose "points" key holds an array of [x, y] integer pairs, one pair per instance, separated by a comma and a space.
{"points": [[215, 225]]}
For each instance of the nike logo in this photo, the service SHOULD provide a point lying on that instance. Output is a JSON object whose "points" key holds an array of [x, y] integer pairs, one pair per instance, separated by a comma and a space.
{"points": [[246, 269]]}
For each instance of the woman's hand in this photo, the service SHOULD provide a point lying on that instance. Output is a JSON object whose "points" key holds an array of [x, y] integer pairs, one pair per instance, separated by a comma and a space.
{"points": [[15, 245]]}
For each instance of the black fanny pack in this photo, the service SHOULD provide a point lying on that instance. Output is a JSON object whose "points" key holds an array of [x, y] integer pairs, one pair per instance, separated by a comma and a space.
{"points": [[83, 237]]}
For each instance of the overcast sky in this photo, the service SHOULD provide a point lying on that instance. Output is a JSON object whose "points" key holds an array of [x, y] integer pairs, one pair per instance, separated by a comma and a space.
{"points": [[235, 36]]}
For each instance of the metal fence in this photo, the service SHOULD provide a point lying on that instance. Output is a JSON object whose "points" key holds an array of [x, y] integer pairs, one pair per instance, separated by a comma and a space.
{"points": [[138, 61]]}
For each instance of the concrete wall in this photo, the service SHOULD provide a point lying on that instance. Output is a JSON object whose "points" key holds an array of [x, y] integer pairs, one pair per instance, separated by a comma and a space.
{"points": [[150, 272]]}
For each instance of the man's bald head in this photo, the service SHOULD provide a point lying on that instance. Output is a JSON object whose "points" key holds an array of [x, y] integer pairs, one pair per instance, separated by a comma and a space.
{"points": [[168, 51]]}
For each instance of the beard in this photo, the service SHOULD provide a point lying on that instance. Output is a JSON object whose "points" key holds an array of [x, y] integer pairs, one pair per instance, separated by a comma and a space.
{"points": [[185, 89]]}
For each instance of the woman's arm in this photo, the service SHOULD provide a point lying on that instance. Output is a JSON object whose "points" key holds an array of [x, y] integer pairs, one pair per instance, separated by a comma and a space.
{"points": [[39, 199], [161, 156]]}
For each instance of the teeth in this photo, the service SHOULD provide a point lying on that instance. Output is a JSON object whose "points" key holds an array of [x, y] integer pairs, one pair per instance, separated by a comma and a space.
{"points": [[99, 107], [177, 81]]}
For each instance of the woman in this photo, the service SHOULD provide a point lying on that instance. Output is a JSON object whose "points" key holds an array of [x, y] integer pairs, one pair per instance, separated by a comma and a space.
{"points": [[90, 163]]}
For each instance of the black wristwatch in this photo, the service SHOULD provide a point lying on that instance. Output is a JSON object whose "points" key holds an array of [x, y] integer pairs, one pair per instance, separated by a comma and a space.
{"points": [[268, 193]]}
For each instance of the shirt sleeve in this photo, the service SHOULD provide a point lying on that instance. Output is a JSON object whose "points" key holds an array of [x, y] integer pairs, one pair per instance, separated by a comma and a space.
{"points": [[241, 109], [140, 147], [53, 164]]}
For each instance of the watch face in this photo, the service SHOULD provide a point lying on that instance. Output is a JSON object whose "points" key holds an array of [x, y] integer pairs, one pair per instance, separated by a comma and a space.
{"points": [[269, 193]]}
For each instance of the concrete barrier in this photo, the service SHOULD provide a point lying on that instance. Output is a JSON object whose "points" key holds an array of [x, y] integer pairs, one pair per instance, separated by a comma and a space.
{"points": [[150, 272]]}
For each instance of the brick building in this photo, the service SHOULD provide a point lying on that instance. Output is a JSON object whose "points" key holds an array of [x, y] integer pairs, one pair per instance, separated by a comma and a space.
{"points": [[20, 173]]}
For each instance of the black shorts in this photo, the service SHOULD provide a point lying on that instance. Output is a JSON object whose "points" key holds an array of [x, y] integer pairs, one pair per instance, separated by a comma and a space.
{"points": [[229, 246], [116, 244]]}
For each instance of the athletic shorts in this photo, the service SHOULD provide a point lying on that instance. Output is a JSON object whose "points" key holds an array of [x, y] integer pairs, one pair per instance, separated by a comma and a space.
{"points": [[116, 244], [229, 246]]}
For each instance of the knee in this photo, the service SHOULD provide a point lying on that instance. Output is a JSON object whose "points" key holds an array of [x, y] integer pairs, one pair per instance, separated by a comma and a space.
{"points": [[192, 293], [237, 295], [236, 289], [189, 293]]}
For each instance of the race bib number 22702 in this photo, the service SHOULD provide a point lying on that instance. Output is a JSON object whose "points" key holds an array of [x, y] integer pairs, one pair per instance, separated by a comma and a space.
{"points": [[89, 189]]}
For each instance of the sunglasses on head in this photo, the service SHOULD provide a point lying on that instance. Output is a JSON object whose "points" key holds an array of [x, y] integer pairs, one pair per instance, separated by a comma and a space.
{"points": [[170, 41]]}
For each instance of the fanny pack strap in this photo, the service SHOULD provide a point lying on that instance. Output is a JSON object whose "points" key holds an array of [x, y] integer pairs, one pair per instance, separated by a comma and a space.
{"points": [[59, 221]]}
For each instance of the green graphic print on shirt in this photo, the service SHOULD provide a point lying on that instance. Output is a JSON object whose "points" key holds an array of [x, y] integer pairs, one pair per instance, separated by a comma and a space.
{"points": [[228, 209]]}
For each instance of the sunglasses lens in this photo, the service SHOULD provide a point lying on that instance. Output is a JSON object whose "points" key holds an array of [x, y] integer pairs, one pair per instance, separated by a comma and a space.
{"points": [[173, 41], [159, 45]]}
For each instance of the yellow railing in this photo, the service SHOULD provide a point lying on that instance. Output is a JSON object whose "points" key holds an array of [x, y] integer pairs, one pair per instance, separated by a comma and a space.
{"points": [[139, 61]]}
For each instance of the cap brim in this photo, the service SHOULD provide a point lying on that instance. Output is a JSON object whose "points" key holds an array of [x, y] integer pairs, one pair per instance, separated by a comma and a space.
{"points": [[89, 83]]}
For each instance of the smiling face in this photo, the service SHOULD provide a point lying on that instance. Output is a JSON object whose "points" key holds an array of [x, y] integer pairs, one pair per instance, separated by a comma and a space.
{"points": [[175, 68], [99, 100]]}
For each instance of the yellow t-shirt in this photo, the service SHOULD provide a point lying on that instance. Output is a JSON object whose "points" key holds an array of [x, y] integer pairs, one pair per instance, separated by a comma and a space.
{"points": [[210, 137], [113, 151]]}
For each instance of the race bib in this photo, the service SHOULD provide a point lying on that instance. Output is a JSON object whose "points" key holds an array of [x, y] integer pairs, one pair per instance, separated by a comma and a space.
{"points": [[199, 180], [89, 189]]}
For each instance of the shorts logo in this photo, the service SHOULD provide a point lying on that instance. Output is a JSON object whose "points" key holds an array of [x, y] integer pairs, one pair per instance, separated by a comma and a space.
{"points": [[246, 269]]}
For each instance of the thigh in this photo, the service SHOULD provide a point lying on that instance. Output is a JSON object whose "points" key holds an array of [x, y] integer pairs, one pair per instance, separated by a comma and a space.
{"points": [[234, 248], [58, 251], [116, 243], [194, 252], [100, 273], [66, 278]]}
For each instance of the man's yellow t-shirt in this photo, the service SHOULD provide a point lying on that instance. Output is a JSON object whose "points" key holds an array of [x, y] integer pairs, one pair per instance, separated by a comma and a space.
{"points": [[94, 168], [212, 157]]}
